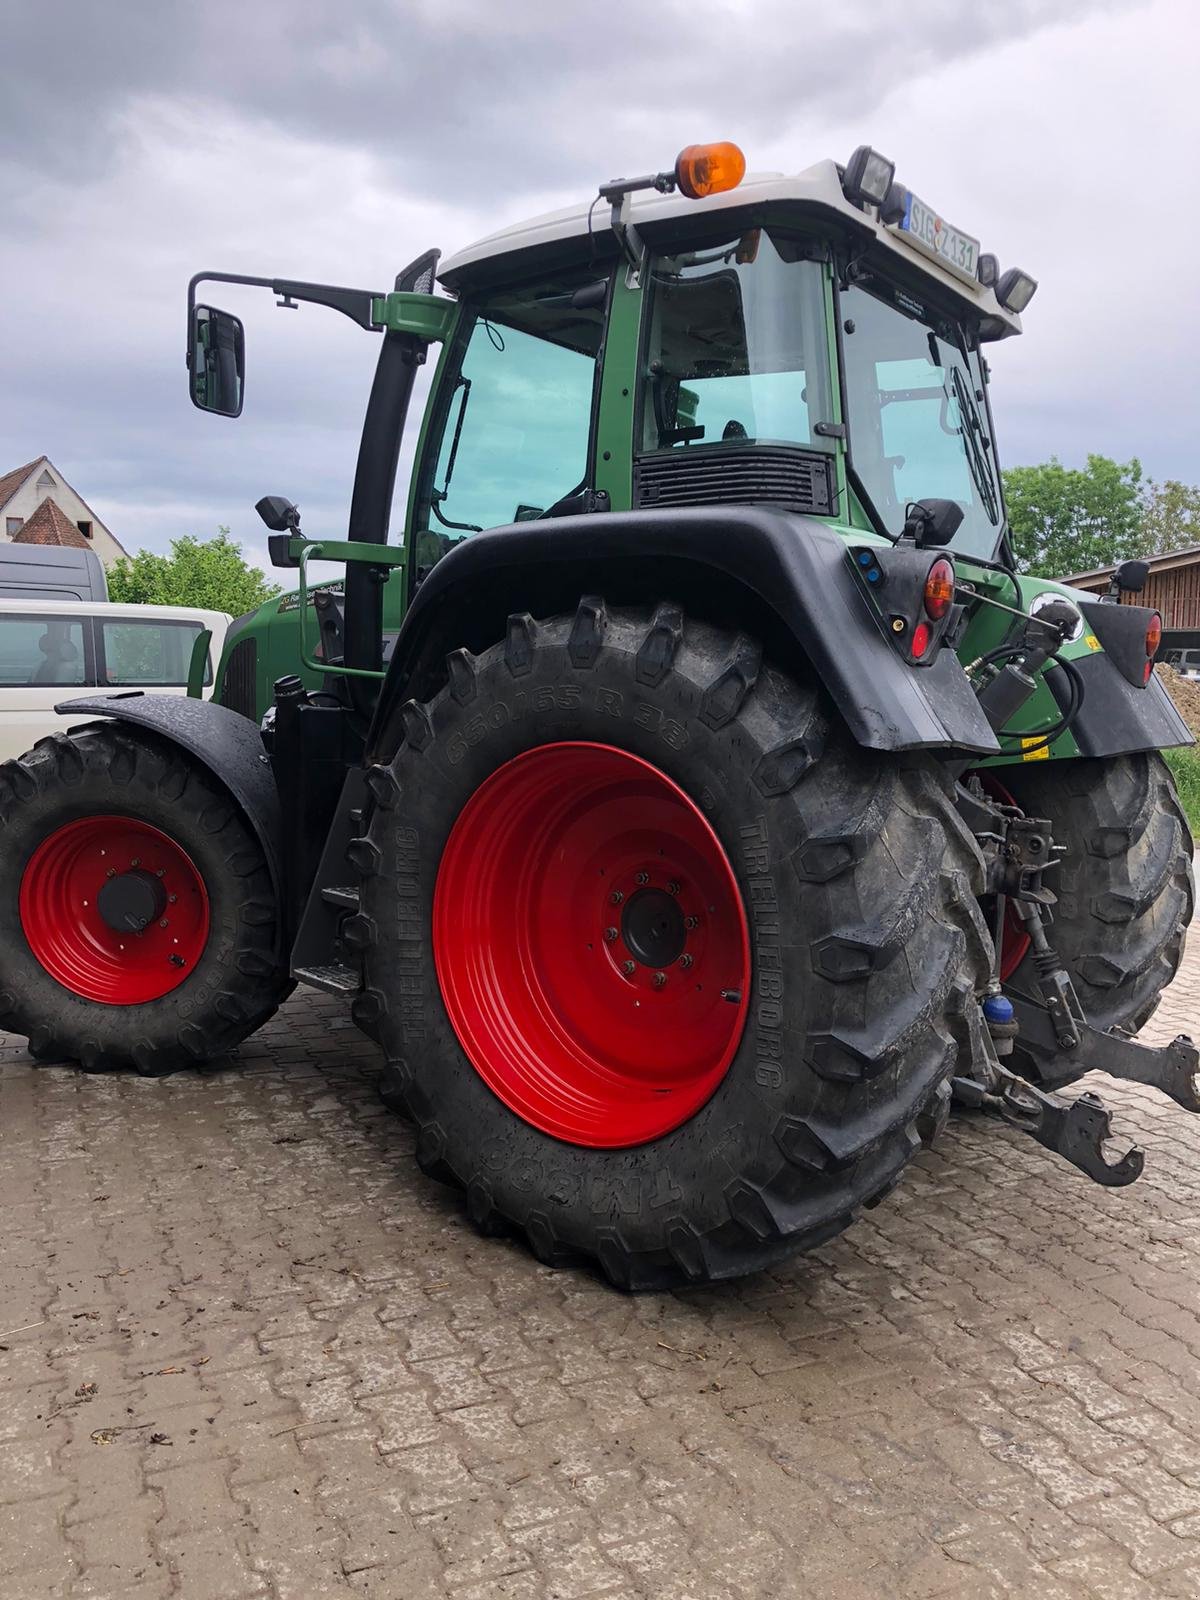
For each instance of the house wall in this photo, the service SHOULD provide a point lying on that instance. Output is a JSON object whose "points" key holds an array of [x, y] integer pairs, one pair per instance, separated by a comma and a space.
{"points": [[27, 499]]}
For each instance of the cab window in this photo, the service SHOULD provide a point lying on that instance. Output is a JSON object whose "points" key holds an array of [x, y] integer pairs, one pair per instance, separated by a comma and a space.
{"points": [[511, 442], [737, 349]]}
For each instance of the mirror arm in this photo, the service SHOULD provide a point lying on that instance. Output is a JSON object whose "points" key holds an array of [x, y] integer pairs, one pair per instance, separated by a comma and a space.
{"points": [[357, 304]]}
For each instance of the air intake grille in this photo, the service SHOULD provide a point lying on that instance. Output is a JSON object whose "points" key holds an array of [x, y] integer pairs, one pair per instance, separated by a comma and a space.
{"points": [[237, 689], [802, 480]]}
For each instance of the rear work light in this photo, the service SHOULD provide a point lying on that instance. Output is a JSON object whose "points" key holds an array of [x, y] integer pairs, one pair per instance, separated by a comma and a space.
{"points": [[939, 589], [1153, 643]]}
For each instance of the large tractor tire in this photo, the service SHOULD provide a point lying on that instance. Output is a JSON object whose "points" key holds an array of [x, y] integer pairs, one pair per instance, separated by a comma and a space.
{"points": [[1125, 886], [137, 916], [668, 973]]}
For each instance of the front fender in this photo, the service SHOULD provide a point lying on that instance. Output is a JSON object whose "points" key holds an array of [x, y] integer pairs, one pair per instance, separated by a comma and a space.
{"points": [[224, 741], [794, 566]]}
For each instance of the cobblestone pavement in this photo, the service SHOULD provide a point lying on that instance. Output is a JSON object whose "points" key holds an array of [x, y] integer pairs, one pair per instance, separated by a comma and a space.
{"points": [[257, 1353]]}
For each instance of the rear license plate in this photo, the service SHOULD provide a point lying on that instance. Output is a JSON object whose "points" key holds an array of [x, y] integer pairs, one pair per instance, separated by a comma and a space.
{"points": [[934, 235]]}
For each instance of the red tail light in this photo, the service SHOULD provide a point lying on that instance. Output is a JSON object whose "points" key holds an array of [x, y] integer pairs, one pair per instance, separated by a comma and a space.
{"points": [[919, 642], [939, 590]]}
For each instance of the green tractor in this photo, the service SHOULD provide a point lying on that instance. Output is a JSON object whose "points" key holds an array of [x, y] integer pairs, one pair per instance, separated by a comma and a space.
{"points": [[694, 800]]}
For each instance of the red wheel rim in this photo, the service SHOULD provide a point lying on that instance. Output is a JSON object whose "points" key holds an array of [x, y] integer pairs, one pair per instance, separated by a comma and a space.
{"points": [[85, 891], [591, 945], [1014, 941]]}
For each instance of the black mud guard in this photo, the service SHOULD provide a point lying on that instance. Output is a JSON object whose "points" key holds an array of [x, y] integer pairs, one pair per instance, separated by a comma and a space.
{"points": [[224, 741], [795, 568], [1116, 718]]}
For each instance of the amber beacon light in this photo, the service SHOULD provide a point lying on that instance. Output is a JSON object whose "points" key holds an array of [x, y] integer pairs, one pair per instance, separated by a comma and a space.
{"points": [[709, 169]]}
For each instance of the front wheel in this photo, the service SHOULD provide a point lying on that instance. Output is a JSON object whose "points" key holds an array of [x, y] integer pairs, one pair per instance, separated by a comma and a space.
{"points": [[138, 924], [668, 972]]}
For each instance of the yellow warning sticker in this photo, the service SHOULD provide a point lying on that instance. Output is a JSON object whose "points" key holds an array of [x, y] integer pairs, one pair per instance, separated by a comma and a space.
{"points": [[1091, 641], [1040, 753]]}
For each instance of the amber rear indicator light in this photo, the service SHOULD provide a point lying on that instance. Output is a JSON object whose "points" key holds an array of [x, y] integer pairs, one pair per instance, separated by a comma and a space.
{"points": [[939, 589], [1153, 644], [704, 169]]}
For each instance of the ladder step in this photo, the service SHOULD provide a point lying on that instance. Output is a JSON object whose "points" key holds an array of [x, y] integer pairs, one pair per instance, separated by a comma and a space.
{"points": [[340, 895], [335, 979]]}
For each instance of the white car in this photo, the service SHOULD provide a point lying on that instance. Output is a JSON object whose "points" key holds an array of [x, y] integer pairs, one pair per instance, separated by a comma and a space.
{"points": [[52, 651]]}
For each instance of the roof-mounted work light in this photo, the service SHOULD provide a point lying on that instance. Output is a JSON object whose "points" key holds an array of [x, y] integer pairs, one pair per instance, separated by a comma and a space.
{"points": [[988, 271], [1015, 290], [868, 177]]}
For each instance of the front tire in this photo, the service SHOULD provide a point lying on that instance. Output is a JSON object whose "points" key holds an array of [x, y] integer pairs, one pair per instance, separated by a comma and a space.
{"points": [[721, 1136], [138, 924]]}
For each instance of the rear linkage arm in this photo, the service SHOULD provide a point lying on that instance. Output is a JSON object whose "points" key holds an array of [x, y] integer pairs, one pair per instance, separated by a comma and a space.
{"points": [[1053, 1030]]}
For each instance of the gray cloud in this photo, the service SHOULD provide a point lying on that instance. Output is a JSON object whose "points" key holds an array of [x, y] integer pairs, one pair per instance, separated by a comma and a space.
{"points": [[141, 141]]}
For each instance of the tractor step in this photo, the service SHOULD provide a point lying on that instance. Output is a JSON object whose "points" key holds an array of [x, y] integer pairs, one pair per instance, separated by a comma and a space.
{"points": [[334, 979], [342, 895]]}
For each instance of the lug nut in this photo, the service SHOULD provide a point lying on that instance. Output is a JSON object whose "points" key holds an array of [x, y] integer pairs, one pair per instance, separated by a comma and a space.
{"points": [[642, 877], [673, 887], [685, 961], [615, 897], [629, 968], [171, 899], [610, 934], [660, 979], [691, 922], [163, 923], [136, 862], [111, 873]]}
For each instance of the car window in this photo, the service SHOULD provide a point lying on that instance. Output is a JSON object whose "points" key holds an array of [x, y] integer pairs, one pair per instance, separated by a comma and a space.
{"points": [[41, 650], [152, 651]]}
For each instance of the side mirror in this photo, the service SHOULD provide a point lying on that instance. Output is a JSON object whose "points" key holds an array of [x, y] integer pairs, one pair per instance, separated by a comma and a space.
{"points": [[217, 358], [932, 522]]}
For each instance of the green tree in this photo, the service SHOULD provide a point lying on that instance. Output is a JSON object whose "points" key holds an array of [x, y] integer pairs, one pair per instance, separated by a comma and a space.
{"points": [[211, 573], [1170, 516], [1066, 519]]}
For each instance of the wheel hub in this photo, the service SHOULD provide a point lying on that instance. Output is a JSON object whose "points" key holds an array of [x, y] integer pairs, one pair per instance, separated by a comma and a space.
{"points": [[130, 902], [652, 927]]}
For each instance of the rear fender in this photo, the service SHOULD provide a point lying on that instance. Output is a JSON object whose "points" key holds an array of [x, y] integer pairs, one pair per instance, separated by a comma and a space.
{"points": [[789, 573]]}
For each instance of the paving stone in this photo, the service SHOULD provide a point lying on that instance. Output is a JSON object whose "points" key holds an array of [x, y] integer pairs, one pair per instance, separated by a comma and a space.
{"points": [[984, 1390]]}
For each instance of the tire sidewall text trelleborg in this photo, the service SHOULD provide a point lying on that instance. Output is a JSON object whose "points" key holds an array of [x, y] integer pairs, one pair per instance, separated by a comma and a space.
{"points": [[783, 1154]]}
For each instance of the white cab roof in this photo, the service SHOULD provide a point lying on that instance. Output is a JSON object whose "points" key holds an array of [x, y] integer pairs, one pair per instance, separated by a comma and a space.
{"points": [[818, 186]]}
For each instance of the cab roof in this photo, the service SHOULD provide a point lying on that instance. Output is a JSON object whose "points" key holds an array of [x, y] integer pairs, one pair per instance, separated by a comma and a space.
{"points": [[817, 190]]}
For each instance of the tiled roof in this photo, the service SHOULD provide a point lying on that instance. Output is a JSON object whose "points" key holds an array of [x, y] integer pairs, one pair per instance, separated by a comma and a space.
{"points": [[50, 524], [12, 481]]}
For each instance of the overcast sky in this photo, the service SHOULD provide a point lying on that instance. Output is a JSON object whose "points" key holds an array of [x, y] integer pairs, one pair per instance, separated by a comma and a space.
{"points": [[144, 139]]}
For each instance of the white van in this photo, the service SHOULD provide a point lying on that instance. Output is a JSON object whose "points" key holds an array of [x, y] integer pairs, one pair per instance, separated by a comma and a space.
{"points": [[58, 650]]}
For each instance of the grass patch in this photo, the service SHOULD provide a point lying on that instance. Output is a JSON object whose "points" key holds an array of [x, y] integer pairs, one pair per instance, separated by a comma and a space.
{"points": [[1185, 768]]}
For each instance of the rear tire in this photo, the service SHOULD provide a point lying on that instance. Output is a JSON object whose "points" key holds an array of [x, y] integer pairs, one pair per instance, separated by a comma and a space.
{"points": [[858, 881], [203, 974], [1125, 886]]}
